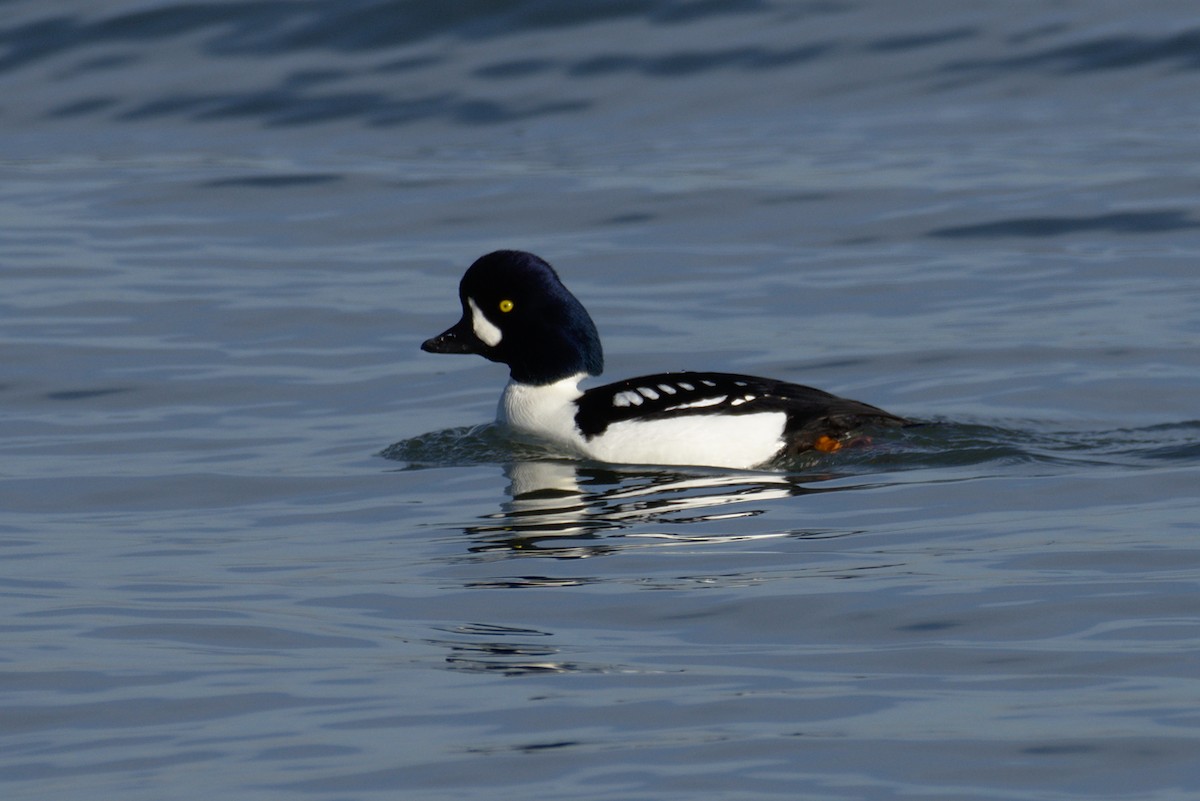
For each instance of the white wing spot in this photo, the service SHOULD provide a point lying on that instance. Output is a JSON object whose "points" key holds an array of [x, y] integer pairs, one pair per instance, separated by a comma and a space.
{"points": [[627, 398], [686, 386], [707, 383], [698, 404], [667, 388], [648, 393]]}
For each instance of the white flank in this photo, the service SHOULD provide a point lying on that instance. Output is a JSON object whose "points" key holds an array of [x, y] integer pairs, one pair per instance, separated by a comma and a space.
{"points": [[739, 441], [484, 328]]}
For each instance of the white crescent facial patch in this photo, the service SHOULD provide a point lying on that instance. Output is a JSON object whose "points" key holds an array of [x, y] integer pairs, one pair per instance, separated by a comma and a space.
{"points": [[484, 328]]}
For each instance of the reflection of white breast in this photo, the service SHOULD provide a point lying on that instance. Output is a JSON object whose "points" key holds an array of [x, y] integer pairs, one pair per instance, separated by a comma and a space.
{"points": [[543, 483], [546, 499]]}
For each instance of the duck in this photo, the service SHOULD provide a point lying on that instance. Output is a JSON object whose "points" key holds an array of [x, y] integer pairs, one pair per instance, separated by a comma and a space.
{"points": [[517, 311]]}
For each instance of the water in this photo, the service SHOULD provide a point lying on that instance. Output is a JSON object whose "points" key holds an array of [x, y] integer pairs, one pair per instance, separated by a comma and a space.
{"points": [[257, 545]]}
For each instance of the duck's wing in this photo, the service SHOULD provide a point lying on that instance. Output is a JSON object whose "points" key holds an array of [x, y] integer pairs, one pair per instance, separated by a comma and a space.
{"points": [[810, 412]]}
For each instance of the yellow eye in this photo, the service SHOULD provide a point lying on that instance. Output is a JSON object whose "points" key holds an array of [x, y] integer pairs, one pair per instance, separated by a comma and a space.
{"points": [[506, 305]]}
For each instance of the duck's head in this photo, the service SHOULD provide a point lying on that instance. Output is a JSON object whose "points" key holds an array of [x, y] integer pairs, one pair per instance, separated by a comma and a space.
{"points": [[517, 311]]}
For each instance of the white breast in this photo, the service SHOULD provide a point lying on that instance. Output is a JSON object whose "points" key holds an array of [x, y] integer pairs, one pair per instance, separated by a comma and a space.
{"points": [[547, 411]]}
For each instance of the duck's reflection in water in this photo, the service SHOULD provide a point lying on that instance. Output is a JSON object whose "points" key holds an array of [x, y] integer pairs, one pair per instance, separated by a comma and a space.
{"points": [[564, 509]]}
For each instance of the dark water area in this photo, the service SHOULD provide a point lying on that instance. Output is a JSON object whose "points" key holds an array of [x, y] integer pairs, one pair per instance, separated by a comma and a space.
{"points": [[256, 544]]}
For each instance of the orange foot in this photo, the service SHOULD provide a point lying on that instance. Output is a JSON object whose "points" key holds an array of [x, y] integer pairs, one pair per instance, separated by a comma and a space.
{"points": [[827, 444]]}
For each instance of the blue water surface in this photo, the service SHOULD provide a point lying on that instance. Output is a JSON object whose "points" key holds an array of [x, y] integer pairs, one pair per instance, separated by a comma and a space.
{"points": [[255, 544]]}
